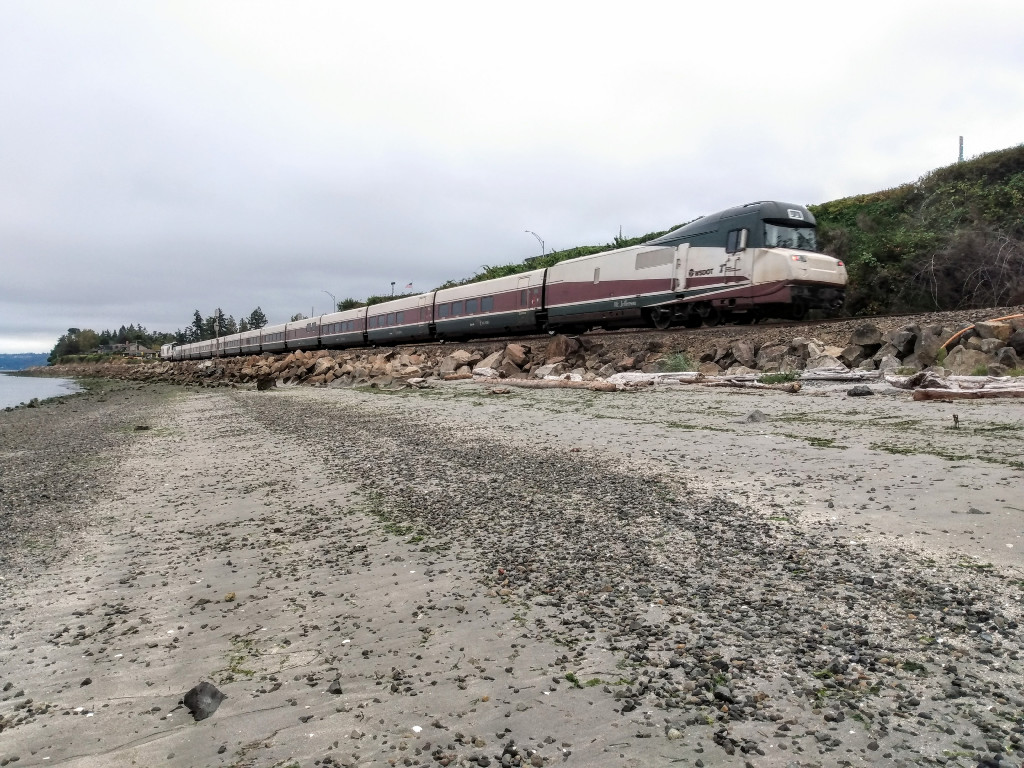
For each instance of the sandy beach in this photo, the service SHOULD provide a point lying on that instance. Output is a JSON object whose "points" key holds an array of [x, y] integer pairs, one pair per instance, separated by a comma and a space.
{"points": [[675, 576]]}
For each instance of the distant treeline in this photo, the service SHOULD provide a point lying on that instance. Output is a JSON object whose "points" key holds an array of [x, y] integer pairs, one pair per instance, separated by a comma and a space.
{"points": [[85, 341], [19, 362]]}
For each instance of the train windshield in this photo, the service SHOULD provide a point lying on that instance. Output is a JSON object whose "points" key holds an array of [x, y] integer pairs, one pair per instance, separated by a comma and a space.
{"points": [[801, 238]]}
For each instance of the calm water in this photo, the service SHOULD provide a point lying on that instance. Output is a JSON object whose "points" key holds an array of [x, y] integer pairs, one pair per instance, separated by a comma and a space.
{"points": [[21, 389]]}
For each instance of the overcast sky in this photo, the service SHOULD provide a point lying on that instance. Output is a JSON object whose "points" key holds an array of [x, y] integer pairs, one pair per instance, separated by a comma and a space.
{"points": [[160, 157]]}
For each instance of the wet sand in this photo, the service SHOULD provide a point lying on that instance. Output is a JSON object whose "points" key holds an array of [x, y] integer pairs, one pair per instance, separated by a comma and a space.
{"points": [[449, 577]]}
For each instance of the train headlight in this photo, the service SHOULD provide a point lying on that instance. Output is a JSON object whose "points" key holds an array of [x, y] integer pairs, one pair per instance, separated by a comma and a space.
{"points": [[798, 257]]}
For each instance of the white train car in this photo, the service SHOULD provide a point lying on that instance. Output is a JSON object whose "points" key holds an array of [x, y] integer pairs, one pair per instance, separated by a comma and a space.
{"points": [[249, 342], [343, 329], [303, 334], [402, 320], [272, 337], [503, 305], [610, 289]]}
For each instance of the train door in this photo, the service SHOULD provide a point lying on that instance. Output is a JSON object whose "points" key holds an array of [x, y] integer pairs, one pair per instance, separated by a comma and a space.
{"points": [[738, 265], [679, 267], [426, 304], [523, 293]]}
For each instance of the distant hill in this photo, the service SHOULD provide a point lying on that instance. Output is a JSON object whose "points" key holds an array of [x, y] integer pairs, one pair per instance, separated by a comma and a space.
{"points": [[21, 362]]}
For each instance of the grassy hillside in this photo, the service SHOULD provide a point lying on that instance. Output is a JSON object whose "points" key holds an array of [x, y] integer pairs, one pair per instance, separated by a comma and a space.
{"points": [[953, 239]]}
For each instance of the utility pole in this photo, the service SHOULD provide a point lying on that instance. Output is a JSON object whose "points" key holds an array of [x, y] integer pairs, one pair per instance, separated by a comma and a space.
{"points": [[392, 287], [961, 150]]}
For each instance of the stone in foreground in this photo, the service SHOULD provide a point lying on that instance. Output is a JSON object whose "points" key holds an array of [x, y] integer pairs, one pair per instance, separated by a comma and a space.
{"points": [[203, 700]]}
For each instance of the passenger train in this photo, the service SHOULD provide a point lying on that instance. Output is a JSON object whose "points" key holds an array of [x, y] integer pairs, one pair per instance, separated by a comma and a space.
{"points": [[740, 265]]}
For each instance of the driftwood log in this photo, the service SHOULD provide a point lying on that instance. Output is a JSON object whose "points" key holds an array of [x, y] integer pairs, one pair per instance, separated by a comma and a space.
{"points": [[593, 386], [790, 386], [969, 394]]}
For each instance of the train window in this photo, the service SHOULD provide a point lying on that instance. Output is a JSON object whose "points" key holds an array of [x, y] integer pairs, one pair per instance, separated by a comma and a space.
{"points": [[471, 306], [522, 298], [399, 317], [443, 310], [391, 318], [487, 304], [457, 308], [736, 240]]}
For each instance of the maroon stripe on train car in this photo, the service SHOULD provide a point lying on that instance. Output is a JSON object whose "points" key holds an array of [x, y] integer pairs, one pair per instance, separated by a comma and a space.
{"points": [[696, 282], [577, 292]]}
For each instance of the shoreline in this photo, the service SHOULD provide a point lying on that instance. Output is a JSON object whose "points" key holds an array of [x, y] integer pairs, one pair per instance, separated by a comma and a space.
{"points": [[465, 565]]}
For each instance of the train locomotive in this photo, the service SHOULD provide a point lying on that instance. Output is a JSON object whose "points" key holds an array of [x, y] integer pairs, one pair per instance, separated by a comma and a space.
{"points": [[742, 265]]}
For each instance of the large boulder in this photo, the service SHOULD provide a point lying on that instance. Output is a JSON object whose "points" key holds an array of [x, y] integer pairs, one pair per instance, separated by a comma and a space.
{"points": [[929, 340], [853, 355], [549, 370], [867, 335], [743, 353], [561, 346], [770, 355], [994, 330], [902, 340], [517, 354], [886, 350], [888, 364], [964, 361], [1016, 341], [825, 361], [798, 347], [988, 345], [456, 360], [509, 370], [1008, 357], [491, 361]]}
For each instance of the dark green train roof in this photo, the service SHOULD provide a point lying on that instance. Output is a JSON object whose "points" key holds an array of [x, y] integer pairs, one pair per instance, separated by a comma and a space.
{"points": [[740, 216]]}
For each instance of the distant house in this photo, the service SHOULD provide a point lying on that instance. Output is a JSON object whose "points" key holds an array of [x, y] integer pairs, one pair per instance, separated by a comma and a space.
{"points": [[135, 349]]}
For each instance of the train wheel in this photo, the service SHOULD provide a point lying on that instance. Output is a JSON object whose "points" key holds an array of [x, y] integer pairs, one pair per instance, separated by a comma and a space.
{"points": [[661, 318], [712, 318], [692, 320]]}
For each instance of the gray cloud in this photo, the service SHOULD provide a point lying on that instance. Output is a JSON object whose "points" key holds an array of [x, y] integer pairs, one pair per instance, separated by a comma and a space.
{"points": [[159, 158]]}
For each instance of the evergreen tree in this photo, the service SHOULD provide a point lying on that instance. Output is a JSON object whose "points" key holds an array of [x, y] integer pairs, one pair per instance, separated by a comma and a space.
{"points": [[243, 325], [257, 319], [197, 326]]}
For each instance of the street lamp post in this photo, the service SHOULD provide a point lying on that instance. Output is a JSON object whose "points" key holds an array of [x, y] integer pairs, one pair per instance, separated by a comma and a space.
{"points": [[334, 300], [392, 287], [539, 240]]}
